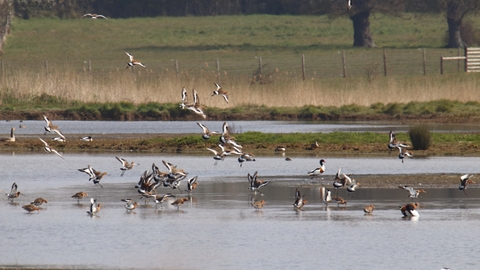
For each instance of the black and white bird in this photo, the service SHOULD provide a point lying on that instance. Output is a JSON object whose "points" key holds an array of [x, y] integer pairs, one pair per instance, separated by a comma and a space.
{"points": [[220, 92], [49, 149], [133, 61], [126, 165]]}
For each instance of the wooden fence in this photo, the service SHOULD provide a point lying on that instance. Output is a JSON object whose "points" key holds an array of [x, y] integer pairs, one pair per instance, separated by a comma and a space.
{"points": [[335, 64], [471, 59]]}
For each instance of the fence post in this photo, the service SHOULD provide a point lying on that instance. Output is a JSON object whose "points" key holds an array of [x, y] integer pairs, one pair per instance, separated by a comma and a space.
{"points": [[424, 62], [385, 63], [344, 65], [458, 61], [303, 66], [90, 66], [46, 66], [176, 67], [441, 65], [260, 65], [218, 70]]}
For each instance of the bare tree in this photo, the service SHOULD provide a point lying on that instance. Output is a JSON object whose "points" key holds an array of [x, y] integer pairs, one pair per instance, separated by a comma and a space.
{"points": [[359, 12], [456, 11]]}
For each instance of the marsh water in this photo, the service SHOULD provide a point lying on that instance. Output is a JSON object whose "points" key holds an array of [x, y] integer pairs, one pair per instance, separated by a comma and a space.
{"points": [[219, 229], [34, 127]]}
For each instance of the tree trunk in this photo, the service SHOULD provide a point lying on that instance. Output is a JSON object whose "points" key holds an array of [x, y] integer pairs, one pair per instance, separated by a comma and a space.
{"points": [[454, 21], [454, 35], [362, 37]]}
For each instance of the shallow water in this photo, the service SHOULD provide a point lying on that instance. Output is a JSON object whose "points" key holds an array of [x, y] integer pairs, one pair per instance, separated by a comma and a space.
{"points": [[219, 229], [190, 127]]}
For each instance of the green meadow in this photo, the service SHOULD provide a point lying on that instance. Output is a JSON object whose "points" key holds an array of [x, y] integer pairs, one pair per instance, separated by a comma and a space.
{"points": [[77, 66]]}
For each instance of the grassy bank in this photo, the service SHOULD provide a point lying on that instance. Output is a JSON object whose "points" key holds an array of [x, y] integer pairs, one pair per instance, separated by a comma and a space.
{"points": [[57, 108], [336, 143]]}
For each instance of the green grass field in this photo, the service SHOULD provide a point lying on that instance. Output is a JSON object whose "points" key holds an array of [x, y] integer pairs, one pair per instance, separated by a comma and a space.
{"points": [[229, 37]]}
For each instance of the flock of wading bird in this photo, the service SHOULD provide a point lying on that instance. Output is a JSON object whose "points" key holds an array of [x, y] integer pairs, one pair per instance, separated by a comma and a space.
{"points": [[172, 178]]}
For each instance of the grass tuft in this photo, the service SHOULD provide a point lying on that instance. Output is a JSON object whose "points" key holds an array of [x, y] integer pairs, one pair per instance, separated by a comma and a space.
{"points": [[420, 136]]}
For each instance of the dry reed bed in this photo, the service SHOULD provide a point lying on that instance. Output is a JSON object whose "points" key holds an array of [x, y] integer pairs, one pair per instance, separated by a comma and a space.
{"points": [[276, 90]]}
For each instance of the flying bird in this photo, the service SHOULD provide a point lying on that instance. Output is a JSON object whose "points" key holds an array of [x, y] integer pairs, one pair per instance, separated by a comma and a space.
{"points": [[49, 149], [50, 127], [125, 164], [256, 184], [93, 174], [220, 92], [206, 132], [404, 153], [133, 62], [413, 193], [94, 16]]}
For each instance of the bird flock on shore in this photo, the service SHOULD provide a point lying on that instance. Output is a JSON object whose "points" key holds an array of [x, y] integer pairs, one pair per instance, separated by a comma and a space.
{"points": [[172, 177]]}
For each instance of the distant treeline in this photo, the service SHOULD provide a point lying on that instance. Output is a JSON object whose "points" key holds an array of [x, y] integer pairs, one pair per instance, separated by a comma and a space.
{"points": [[151, 8]]}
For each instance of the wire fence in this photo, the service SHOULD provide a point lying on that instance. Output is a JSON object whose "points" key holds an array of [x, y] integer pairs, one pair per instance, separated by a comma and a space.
{"points": [[352, 63]]}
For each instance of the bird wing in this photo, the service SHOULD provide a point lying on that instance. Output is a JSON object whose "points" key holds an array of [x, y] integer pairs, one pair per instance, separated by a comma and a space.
{"points": [[44, 142], [297, 194], [59, 133], [225, 128], [225, 97], [169, 165], [130, 56], [411, 190], [101, 16], [392, 136], [196, 99], [122, 160], [205, 129], [184, 95], [46, 120], [56, 152], [88, 171], [218, 86], [13, 190], [338, 175], [213, 151], [191, 181]]}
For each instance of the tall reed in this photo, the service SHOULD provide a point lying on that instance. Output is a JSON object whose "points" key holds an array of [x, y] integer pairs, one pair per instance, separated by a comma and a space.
{"points": [[281, 90]]}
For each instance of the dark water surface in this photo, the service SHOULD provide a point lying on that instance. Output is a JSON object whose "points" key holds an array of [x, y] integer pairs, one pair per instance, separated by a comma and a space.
{"points": [[219, 229]]}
